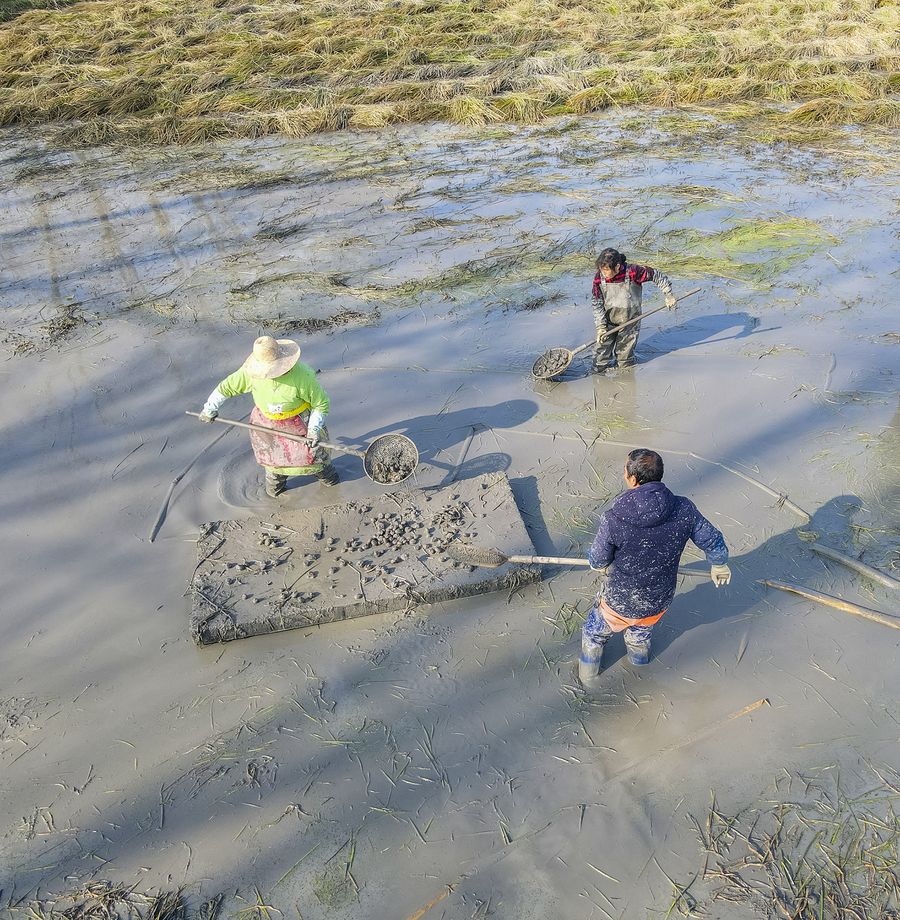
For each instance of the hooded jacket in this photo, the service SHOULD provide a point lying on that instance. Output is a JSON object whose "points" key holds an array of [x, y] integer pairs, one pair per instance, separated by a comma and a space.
{"points": [[641, 538]]}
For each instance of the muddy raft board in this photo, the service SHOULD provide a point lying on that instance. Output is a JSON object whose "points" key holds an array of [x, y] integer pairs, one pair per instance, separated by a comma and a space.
{"points": [[319, 565]]}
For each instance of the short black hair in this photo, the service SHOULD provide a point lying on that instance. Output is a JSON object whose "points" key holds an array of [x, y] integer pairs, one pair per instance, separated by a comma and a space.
{"points": [[610, 258], [644, 465]]}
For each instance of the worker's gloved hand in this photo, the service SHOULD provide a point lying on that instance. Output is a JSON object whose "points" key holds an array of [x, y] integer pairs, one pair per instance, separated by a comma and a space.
{"points": [[208, 416], [720, 575], [601, 579], [671, 301], [312, 436]]}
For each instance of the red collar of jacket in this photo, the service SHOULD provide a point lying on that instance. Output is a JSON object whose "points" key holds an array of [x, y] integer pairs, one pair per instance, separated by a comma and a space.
{"points": [[638, 274]]}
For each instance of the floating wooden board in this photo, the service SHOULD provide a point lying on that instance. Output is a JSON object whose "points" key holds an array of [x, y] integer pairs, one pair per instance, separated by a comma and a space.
{"points": [[319, 565]]}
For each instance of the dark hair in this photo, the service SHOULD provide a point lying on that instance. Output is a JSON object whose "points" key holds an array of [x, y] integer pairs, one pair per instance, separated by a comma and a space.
{"points": [[644, 465], [610, 258]]}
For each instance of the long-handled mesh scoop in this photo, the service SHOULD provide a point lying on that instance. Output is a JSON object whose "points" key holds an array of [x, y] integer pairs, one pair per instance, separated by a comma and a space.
{"points": [[490, 558], [389, 459], [555, 360]]}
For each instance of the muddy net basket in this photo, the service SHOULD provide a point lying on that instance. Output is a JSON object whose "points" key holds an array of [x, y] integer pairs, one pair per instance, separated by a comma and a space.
{"points": [[476, 555], [551, 363], [391, 458]]}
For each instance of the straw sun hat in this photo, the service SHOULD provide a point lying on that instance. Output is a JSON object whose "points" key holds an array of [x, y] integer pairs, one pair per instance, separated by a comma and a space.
{"points": [[272, 357]]}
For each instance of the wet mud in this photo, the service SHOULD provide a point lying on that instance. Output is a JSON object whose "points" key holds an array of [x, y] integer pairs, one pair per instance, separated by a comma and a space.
{"points": [[552, 362], [438, 751], [351, 560]]}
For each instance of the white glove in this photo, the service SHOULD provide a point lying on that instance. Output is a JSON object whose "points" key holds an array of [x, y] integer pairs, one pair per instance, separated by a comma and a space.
{"points": [[312, 436], [208, 415], [671, 301], [720, 575]]}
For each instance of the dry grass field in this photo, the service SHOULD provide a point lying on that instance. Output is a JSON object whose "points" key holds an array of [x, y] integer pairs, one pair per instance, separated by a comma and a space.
{"points": [[161, 71]]}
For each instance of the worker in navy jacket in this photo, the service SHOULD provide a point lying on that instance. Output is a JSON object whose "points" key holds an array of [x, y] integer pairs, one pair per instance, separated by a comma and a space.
{"points": [[640, 541]]}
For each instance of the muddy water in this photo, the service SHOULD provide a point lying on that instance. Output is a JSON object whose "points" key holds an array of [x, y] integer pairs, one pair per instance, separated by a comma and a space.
{"points": [[445, 742]]}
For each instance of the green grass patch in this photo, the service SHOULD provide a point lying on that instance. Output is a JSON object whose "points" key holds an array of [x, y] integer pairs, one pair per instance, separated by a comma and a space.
{"points": [[333, 888], [756, 252]]}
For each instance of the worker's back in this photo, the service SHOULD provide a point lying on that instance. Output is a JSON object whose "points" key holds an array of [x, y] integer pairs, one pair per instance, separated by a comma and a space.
{"points": [[641, 538]]}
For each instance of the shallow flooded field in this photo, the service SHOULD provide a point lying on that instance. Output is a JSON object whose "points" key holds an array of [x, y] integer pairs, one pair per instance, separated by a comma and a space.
{"points": [[443, 756]]}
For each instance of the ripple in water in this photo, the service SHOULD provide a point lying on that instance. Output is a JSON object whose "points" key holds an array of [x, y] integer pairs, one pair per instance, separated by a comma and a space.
{"points": [[240, 483]]}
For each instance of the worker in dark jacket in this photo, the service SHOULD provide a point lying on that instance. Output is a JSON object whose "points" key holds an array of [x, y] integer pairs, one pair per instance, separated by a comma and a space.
{"points": [[640, 540]]}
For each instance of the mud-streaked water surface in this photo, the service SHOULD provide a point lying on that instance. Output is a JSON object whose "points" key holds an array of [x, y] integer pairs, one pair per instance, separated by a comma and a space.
{"points": [[360, 769]]}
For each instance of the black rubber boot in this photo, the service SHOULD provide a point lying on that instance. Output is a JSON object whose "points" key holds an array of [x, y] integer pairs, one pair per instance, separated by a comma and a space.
{"points": [[275, 484], [328, 475]]}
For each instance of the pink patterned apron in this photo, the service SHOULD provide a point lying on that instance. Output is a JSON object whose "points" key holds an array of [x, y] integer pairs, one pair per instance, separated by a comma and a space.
{"points": [[283, 455]]}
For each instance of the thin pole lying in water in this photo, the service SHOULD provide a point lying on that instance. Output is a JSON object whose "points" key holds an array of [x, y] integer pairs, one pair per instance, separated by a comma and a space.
{"points": [[865, 570], [837, 602], [164, 507]]}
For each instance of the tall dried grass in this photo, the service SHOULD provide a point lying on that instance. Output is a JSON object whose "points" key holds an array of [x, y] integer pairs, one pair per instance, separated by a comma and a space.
{"points": [[161, 71]]}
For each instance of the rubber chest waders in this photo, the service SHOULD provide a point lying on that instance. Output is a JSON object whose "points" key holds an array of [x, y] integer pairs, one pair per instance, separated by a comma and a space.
{"points": [[618, 302]]}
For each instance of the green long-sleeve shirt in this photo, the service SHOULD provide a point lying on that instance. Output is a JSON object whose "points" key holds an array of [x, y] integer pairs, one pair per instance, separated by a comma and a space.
{"points": [[280, 397]]}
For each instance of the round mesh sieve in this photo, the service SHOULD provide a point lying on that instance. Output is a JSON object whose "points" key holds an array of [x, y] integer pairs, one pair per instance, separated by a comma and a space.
{"points": [[391, 458], [552, 362]]}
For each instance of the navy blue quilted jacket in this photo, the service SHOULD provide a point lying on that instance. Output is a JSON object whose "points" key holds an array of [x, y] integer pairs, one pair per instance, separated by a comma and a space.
{"points": [[641, 538]]}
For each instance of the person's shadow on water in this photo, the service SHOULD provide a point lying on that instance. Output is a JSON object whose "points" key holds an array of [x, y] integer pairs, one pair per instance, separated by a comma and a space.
{"points": [[442, 431], [664, 340], [784, 557], [696, 331], [436, 436]]}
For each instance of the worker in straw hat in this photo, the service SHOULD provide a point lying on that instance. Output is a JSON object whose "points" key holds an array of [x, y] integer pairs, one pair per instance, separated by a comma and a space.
{"points": [[287, 397]]}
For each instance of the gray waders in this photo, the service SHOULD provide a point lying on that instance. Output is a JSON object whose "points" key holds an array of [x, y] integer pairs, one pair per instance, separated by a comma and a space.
{"points": [[616, 304]]}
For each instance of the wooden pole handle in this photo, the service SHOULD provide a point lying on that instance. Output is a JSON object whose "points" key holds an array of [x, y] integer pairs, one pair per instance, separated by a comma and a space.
{"points": [[567, 560], [547, 560], [629, 322], [283, 434]]}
